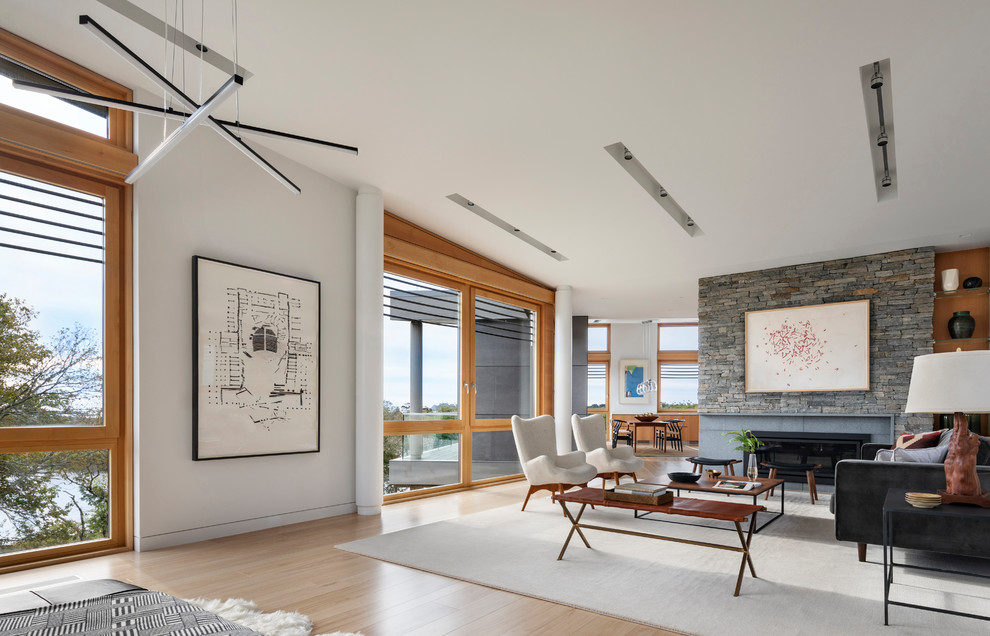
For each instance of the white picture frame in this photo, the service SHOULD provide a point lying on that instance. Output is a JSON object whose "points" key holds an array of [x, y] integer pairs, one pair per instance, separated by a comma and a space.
{"points": [[631, 374]]}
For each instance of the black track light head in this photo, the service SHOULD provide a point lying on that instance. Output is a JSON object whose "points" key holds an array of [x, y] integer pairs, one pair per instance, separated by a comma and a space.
{"points": [[626, 154]]}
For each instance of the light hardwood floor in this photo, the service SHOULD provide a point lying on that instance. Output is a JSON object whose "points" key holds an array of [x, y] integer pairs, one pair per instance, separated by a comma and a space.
{"points": [[297, 568]]}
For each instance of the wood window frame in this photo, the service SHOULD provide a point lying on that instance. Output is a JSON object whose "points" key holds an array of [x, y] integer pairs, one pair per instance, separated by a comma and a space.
{"points": [[673, 357], [608, 338], [417, 253], [38, 148], [603, 357]]}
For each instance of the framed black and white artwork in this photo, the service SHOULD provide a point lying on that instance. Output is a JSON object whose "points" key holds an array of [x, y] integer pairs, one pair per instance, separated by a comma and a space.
{"points": [[256, 381]]}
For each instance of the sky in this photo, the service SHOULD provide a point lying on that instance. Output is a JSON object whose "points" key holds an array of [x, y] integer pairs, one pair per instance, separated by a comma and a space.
{"points": [[62, 291]]}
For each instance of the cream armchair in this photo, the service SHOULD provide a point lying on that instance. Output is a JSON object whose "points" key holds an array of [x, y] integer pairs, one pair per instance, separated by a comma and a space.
{"points": [[536, 441], [611, 463]]}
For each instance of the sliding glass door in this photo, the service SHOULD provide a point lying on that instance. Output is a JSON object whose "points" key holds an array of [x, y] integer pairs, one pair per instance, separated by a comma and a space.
{"points": [[504, 382], [459, 362]]}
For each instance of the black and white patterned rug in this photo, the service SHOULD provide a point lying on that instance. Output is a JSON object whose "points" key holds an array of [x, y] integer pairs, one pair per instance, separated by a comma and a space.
{"points": [[131, 613]]}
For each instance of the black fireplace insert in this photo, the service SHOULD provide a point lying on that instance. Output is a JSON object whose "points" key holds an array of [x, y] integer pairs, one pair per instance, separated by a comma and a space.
{"points": [[826, 449]]}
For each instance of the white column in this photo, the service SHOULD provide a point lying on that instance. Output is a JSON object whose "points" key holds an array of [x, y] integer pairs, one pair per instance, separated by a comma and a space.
{"points": [[562, 341], [369, 373]]}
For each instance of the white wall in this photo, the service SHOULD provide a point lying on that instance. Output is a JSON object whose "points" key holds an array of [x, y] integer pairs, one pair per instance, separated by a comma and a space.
{"points": [[627, 344], [205, 198]]}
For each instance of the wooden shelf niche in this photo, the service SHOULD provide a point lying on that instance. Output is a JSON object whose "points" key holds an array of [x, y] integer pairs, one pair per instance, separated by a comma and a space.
{"points": [[974, 262]]}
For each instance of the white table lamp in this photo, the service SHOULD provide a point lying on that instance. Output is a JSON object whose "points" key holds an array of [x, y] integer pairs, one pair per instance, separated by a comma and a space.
{"points": [[956, 382]]}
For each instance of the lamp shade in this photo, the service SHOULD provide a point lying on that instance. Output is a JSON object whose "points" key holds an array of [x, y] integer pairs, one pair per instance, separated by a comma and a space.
{"points": [[950, 382]]}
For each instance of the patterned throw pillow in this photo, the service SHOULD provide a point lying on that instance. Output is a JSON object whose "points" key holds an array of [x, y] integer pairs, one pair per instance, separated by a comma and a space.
{"points": [[916, 441]]}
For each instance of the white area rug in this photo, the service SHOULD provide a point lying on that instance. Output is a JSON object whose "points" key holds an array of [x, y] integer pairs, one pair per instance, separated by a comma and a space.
{"points": [[809, 582], [247, 614]]}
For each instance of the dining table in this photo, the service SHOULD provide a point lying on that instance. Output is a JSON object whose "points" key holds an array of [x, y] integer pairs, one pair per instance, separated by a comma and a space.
{"points": [[632, 422]]}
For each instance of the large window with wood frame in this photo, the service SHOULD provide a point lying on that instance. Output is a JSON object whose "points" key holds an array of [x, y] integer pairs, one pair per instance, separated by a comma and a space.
{"points": [[677, 367], [464, 351], [64, 315], [599, 356]]}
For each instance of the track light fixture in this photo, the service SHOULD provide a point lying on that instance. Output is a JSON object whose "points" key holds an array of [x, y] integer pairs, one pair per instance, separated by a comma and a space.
{"points": [[621, 155], [877, 80]]}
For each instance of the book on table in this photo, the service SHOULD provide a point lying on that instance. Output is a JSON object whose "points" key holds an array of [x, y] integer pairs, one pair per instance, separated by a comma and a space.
{"points": [[657, 499], [728, 484], [641, 489]]}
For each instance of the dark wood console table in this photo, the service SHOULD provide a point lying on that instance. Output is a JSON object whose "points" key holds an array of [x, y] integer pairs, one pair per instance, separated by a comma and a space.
{"points": [[699, 508]]}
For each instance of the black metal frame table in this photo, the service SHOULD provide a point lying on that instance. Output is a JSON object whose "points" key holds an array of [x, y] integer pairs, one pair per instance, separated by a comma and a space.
{"points": [[895, 505]]}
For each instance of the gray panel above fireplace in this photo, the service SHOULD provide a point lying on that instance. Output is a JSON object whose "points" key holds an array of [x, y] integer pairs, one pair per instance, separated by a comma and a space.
{"points": [[712, 443]]}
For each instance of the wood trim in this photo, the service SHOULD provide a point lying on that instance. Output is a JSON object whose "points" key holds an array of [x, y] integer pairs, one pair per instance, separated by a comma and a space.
{"points": [[677, 356], [435, 261], [423, 493], [120, 124], [63, 554], [423, 427], [21, 131], [403, 230]]}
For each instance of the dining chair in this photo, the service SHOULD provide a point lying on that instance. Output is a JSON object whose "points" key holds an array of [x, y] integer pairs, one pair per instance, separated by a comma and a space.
{"points": [[675, 434], [621, 430]]}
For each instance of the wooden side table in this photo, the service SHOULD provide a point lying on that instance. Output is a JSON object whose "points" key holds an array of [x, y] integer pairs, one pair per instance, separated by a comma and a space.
{"points": [[896, 507]]}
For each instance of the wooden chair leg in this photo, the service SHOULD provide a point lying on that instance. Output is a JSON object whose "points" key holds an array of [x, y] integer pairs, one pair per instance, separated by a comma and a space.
{"points": [[732, 471], [812, 486], [773, 475], [532, 489], [861, 549]]}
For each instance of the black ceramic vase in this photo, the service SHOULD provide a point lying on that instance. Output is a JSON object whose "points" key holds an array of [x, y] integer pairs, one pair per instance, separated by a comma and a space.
{"points": [[961, 325], [972, 282]]}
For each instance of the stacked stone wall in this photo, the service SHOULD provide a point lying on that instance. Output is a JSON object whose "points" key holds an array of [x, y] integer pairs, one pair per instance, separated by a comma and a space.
{"points": [[899, 286]]}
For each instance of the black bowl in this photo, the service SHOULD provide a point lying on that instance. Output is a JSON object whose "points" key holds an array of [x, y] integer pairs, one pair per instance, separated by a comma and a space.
{"points": [[684, 478], [973, 282]]}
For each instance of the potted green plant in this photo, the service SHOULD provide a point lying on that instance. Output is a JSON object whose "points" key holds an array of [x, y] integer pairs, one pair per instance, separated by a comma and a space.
{"points": [[748, 443]]}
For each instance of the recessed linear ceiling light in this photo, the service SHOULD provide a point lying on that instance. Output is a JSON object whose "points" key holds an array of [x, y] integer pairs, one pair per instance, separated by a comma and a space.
{"points": [[631, 164], [875, 80], [471, 206]]}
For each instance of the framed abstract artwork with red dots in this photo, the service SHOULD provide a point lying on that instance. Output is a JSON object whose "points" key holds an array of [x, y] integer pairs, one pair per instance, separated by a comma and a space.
{"points": [[812, 348]]}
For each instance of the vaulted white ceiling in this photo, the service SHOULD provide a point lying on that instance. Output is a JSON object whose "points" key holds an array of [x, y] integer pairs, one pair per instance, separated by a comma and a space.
{"points": [[750, 114]]}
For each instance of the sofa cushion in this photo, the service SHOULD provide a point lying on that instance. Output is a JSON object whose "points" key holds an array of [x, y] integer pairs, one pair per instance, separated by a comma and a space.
{"points": [[933, 455], [983, 452], [919, 440], [884, 455]]}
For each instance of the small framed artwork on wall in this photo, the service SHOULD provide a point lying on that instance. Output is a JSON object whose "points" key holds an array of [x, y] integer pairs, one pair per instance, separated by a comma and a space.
{"points": [[632, 374], [256, 379], [813, 348]]}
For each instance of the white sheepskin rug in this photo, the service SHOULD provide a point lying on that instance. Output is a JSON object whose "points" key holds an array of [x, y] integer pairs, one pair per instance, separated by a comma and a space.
{"points": [[276, 623]]}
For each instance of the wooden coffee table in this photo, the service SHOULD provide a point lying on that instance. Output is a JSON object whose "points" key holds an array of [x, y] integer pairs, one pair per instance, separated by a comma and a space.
{"points": [[708, 485], [698, 508]]}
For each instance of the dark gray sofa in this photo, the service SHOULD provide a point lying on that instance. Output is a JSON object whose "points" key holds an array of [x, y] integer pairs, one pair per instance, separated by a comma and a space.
{"points": [[861, 486]]}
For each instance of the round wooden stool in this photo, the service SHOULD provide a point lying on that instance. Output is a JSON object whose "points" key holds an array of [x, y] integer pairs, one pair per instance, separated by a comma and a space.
{"points": [[700, 462]]}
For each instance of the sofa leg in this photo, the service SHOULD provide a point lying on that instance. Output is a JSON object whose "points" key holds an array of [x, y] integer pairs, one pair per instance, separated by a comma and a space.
{"points": [[861, 548]]}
